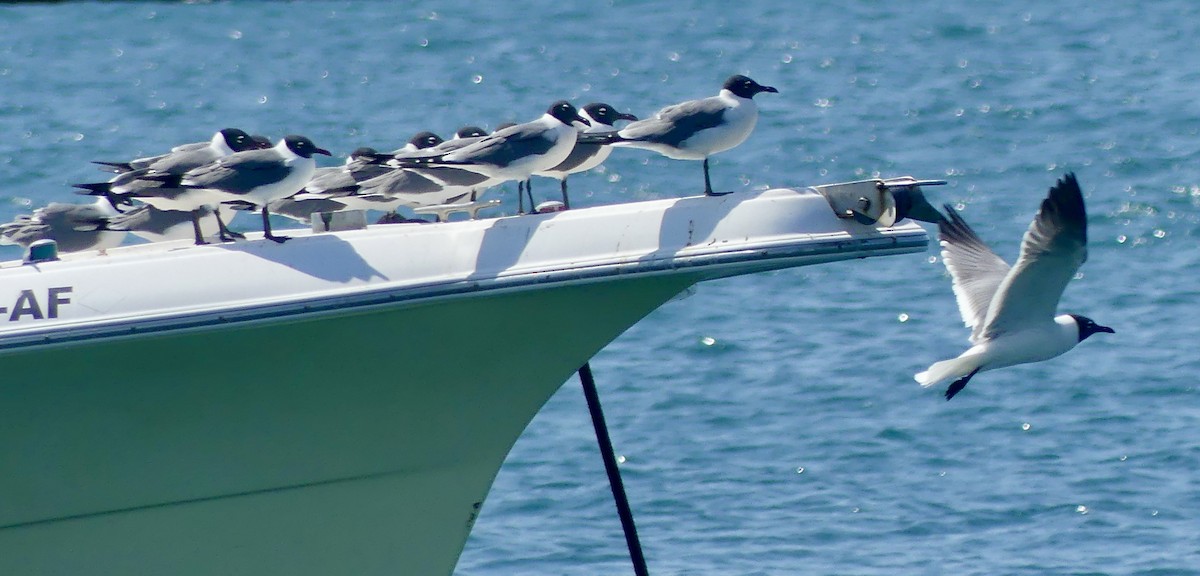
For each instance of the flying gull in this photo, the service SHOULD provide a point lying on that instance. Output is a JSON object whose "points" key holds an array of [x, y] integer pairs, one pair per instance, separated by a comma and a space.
{"points": [[1011, 311]]}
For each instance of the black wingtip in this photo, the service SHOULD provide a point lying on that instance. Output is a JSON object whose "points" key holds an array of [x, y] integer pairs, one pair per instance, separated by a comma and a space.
{"points": [[954, 229], [599, 137], [93, 188], [114, 167], [1065, 204]]}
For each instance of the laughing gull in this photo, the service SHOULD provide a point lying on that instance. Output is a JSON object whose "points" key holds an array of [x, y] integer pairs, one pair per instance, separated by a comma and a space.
{"points": [[325, 182], [696, 129], [368, 185], [518, 151], [156, 180], [256, 177], [1011, 311], [585, 156], [75, 227], [359, 166]]}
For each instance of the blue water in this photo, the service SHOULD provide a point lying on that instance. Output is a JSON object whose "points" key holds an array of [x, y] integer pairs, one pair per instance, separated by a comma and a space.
{"points": [[769, 424]]}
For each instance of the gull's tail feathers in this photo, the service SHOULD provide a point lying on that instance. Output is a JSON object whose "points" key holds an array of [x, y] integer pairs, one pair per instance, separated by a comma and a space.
{"points": [[946, 370]]}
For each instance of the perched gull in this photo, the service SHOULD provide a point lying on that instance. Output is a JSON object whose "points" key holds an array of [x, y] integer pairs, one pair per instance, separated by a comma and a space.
{"points": [[585, 156], [156, 180], [696, 129], [256, 177], [75, 227], [315, 197], [1011, 310], [358, 167], [516, 152], [369, 185]]}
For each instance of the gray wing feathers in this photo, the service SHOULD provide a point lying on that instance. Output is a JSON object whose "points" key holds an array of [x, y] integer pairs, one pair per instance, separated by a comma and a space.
{"points": [[180, 162], [976, 270], [239, 173], [1052, 250], [325, 179], [675, 124], [23, 231], [398, 181], [502, 148]]}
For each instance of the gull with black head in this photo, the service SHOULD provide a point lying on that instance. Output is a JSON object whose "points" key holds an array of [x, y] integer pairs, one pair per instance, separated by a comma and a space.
{"points": [[256, 177], [1011, 310], [516, 152], [696, 129], [585, 156]]}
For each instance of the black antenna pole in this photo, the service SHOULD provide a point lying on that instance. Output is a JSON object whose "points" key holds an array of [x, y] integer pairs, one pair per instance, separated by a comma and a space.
{"points": [[614, 474]]}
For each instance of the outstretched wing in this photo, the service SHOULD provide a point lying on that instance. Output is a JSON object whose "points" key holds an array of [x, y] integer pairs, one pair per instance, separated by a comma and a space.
{"points": [[977, 272], [1051, 252]]}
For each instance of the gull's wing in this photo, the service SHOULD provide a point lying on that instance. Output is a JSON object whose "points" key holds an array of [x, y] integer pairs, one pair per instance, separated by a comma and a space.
{"points": [[23, 231], [1051, 252], [674, 124], [506, 146], [976, 270], [332, 178], [240, 172]]}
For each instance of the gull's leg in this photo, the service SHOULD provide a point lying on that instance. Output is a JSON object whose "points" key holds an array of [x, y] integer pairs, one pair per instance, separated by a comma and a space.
{"points": [[267, 228], [196, 228], [708, 191]]}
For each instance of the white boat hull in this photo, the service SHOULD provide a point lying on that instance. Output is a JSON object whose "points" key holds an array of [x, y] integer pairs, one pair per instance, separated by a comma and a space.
{"points": [[245, 410]]}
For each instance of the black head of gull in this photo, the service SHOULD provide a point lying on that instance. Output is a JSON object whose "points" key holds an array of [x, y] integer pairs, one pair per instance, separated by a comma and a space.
{"points": [[745, 87], [605, 114], [363, 152], [426, 139], [1087, 327], [260, 142], [566, 113], [237, 139], [471, 132], [303, 147]]}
